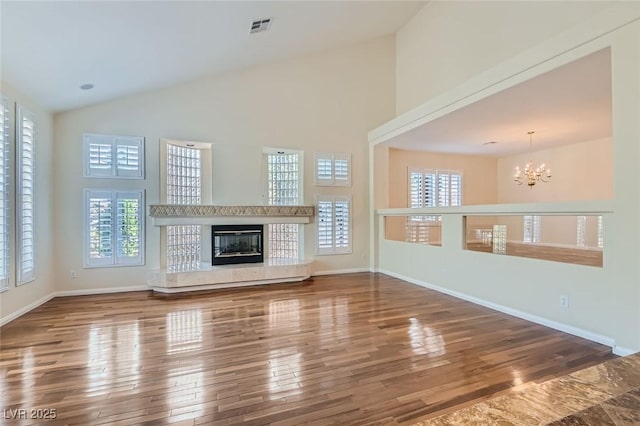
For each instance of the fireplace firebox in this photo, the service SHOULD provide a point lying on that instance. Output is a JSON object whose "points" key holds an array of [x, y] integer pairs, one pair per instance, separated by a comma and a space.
{"points": [[233, 244]]}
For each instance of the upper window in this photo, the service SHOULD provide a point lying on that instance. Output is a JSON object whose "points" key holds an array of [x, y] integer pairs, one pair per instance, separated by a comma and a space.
{"points": [[334, 224], [435, 188], [532, 229], [25, 250], [283, 178], [108, 156], [114, 230], [333, 169], [4, 193]]}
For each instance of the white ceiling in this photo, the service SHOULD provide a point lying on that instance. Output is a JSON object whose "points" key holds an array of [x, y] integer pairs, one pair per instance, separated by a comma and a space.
{"points": [[568, 105], [50, 48]]}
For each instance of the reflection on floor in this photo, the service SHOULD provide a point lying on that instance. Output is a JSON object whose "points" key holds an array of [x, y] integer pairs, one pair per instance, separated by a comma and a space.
{"points": [[576, 256], [605, 394]]}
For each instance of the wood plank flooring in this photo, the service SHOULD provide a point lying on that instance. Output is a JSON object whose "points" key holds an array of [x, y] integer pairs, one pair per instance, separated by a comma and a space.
{"points": [[578, 256], [349, 349]]}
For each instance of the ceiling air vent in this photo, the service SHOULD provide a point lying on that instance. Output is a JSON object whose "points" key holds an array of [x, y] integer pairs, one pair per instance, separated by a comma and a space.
{"points": [[260, 25]]}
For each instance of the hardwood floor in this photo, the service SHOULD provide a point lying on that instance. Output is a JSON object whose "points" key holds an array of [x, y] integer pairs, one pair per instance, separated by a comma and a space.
{"points": [[348, 349], [578, 256]]}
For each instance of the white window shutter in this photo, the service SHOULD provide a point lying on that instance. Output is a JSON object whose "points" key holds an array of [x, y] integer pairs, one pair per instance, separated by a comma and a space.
{"points": [[342, 225], [129, 237], [98, 155], [129, 154], [416, 189], [4, 193], [114, 228], [332, 169], [109, 156], [324, 169], [325, 225], [342, 169], [333, 232], [26, 136]]}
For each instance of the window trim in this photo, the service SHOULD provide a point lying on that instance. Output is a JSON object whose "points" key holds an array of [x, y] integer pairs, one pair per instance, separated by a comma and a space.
{"points": [[333, 250], [24, 277], [114, 141], [114, 260]]}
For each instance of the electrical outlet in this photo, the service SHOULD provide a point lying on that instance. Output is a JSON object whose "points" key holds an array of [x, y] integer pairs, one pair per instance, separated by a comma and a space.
{"points": [[564, 301], [74, 274]]}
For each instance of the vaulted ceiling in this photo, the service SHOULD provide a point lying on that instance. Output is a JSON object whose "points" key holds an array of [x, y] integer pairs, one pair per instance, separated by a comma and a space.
{"points": [[50, 48]]}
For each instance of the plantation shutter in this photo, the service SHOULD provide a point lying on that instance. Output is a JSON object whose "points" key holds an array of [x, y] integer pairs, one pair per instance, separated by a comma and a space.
{"points": [[325, 226], [324, 169], [342, 169], [4, 193], [430, 189], [333, 169], [456, 189], [342, 225], [128, 152], [334, 224], [114, 228], [113, 156], [128, 227], [416, 190], [25, 196]]}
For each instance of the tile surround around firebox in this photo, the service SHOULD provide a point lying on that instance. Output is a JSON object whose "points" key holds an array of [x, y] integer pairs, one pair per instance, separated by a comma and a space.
{"points": [[226, 276]]}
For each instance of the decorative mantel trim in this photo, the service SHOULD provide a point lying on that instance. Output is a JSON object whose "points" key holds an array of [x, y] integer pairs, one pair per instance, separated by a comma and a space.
{"points": [[178, 214]]}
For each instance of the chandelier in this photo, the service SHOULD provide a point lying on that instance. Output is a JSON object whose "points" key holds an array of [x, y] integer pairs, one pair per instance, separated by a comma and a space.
{"points": [[532, 175]]}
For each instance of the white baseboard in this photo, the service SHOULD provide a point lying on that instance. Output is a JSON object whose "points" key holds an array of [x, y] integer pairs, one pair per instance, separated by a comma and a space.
{"points": [[84, 292], [31, 306], [585, 334], [340, 271], [621, 351]]}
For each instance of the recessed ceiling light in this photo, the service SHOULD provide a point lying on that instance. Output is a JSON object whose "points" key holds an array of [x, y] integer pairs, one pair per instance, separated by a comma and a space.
{"points": [[87, 86], [490, 143]]}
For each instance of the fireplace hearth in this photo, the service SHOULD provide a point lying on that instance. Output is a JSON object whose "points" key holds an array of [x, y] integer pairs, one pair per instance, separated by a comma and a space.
{"points": [[233, 244]]}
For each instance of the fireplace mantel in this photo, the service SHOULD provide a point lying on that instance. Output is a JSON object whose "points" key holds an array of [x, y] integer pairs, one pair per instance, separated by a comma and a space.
{"points": [[177, 214]]}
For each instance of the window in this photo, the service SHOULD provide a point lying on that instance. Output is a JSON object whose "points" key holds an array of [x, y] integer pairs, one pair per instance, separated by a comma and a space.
{"points": [[581, 228], [435, 188], [26, 136], [334, 224], [184, 186], [333, 169], [532, 228], [107, 156], [4, 193], [600, 232], [114, 228], [284, 183]]}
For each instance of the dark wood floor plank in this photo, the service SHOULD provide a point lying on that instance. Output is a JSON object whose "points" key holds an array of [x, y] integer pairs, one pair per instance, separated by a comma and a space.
{"points": [[347, 349]]}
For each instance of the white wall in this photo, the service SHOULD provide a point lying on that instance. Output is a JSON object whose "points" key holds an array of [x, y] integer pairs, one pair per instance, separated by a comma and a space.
{"points": [[322, 102], [448, 42], [604, 301], [13, 301]]}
